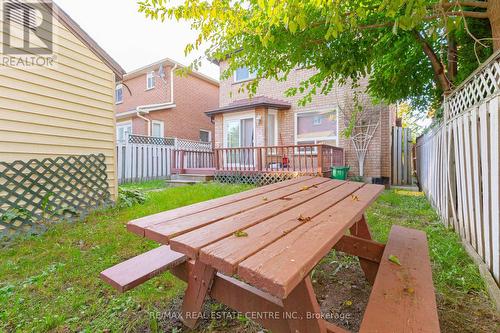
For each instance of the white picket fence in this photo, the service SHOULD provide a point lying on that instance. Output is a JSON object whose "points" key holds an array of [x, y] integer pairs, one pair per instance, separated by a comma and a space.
{"points": [[458, 163], [141, 158]]}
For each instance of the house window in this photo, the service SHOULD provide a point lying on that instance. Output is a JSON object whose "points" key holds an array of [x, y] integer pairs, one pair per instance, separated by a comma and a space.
{"points": [[157, 128], [122, 131], [272, 128], [317, 120], [243, 74], [150, 80], [317, 127], [119, 94], [205, 136]]}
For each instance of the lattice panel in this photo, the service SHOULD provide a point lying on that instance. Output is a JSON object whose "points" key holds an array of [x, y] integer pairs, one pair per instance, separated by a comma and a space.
{"points": [[256, 178], [151, 140], [180, 144], [193, 145], [482, 84], [39, 192]]}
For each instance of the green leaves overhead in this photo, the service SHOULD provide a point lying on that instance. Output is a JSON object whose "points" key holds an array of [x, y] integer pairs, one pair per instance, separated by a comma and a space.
{"points": [[343, 40]]}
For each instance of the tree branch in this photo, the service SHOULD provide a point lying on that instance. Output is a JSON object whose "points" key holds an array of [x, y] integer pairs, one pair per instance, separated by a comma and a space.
{"points": [[437, 66], [477, 4], [462, 13]]}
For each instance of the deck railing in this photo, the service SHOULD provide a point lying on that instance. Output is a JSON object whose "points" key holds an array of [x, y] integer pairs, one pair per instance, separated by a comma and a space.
{"points": [[307, 159]]}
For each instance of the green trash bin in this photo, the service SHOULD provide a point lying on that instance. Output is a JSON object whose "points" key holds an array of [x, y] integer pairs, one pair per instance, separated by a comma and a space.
{"points": [[340, 173]]}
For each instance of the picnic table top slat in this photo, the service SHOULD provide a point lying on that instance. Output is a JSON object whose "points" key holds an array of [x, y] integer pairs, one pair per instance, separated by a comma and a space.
{"points": [[163, 232], [279, 267], [138, 226], [226, 254], [190, 243]]}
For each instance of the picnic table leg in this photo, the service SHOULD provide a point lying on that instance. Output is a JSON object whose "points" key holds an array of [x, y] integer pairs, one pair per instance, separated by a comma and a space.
{"points": [[199, 282], [361, 230], [302, 309]]}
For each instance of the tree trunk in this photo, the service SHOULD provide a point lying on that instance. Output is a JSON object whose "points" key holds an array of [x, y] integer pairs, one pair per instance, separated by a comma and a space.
{"points": [[494, 16], [437, 66]]}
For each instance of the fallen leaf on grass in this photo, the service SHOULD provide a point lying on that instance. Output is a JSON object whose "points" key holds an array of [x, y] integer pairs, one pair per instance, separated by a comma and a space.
{"points": [[304, 219], [240, 234], [394, 259]]}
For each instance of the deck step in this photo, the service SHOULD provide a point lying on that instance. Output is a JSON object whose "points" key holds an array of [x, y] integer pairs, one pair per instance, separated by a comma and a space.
{"points": [[193, 177], [137, 270], [179, 183], [402, 297]]}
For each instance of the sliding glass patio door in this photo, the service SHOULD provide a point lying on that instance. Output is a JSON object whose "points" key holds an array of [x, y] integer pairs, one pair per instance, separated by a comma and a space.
{"points": [[239, 133]]}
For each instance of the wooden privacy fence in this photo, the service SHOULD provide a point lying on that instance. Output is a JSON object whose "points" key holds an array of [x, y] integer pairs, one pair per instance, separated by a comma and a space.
{"points": [[458, 163], [402, 173], [141, 158]]}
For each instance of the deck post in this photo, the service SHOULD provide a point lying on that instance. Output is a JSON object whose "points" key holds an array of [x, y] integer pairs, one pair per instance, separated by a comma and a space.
{"points": [[320, 160], [259, 159]]}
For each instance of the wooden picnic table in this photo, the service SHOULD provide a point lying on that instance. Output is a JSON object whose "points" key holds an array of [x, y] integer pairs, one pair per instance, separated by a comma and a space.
{"points": [[270, 238]]}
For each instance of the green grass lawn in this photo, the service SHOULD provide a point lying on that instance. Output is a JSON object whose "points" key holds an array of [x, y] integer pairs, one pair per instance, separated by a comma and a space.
{"points": [[51, 282], [146, 185]]}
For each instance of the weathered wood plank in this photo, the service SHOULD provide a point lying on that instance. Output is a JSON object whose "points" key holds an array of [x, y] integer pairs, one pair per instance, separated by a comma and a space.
{"points": [[477, 181], [304, 309], [137, 226], [484, 119], [280, 267], [494, 107], [190, 243], [360, 229], [199, 282], [402, 298], [164, 232], [360, 247], [226, 254], [137, 270]]}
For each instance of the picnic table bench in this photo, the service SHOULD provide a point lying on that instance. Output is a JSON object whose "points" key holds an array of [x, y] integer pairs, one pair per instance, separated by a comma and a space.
{"points": [[254, 252]]}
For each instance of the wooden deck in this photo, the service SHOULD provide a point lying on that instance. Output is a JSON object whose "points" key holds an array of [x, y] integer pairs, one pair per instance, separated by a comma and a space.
{"points": [[266, 164]]}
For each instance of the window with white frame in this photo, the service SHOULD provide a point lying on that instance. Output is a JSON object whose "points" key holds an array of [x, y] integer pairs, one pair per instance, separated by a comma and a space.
{"points": [[119, 94], [317, 127], [157, 128], [272, 128], [122, 130], [205, 136], [243, 74], [150, 80]]}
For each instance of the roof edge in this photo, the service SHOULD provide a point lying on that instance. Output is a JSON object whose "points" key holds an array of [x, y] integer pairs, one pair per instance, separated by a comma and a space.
{"points": [[172, 62], [237, 108]]}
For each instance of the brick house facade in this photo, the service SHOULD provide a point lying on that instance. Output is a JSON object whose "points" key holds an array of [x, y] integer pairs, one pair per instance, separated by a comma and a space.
{"points": [[292, 118], [171, 106]]}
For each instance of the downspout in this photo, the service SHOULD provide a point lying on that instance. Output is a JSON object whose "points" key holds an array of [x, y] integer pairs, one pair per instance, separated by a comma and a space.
{"points": [[138, 111]]}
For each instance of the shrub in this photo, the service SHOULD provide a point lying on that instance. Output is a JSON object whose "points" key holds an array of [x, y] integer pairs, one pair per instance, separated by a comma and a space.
{"points": [[127, 197]]}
